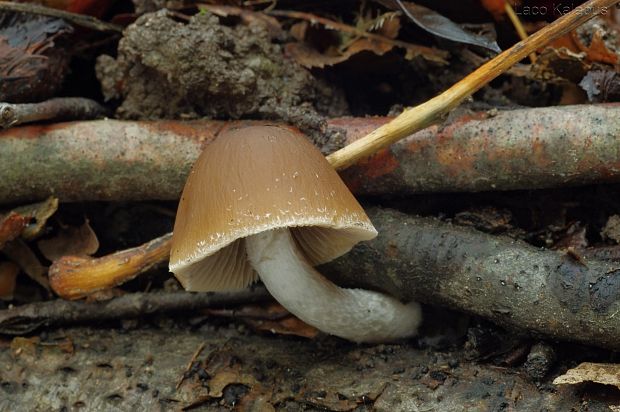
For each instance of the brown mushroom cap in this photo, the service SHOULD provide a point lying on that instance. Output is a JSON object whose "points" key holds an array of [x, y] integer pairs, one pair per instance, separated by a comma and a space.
{"points": [[254, 179]]}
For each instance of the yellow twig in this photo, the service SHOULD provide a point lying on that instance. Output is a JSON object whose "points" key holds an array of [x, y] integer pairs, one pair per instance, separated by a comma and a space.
{"points": [[518, 26], [432, 111]]}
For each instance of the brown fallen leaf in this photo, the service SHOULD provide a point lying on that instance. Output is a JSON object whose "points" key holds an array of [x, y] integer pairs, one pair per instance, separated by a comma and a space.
{"points": [[32, 67], [26, 221], [559, 65], [603, 373], [228, 376], [24, 346], [8, 279], [353, 40], [75, 241], [596, 50], [39, 213], [589, 40]]}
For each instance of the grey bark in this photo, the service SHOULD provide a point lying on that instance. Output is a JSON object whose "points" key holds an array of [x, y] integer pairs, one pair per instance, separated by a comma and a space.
{"points": [[515, 285]]}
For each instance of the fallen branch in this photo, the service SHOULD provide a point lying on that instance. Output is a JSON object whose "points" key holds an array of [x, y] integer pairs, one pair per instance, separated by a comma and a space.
{"points": [[61, 108], [495, 277], [520, 149], [515, 285], [517, 149], [27, 318]]}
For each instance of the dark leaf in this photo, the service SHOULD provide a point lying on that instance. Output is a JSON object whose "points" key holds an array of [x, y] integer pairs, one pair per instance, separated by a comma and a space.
{"points": [[441, 26], [601, 85]]}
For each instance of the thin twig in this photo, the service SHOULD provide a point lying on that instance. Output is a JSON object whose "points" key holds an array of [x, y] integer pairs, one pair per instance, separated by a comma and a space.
{"points": [[514, 19], [27, 318], [60, 108], [75, 18], [189, 365]]}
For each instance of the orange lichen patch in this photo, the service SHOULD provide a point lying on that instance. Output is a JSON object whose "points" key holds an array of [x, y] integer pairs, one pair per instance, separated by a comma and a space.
{"points": [[540, 154], [380, 164], [357, 127], [455, 159], [34, 131], [200, 130], [73, 277], [392, 250]]}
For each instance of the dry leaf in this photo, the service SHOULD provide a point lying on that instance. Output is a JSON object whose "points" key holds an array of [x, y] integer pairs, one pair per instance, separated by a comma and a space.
{"points": [[25, 346], [74, 241], [8, 279], [31, 66], [603, 373], [39, 212], [596, 49], [559, 65], [352, 40], [228, 376], [440, 26]]}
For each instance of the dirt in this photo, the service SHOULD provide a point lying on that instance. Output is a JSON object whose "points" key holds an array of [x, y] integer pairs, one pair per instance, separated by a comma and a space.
{"points": [[203, 68], [139, 367]]}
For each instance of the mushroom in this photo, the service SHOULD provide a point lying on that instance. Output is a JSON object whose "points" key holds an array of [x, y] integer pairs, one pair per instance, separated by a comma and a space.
{"points": [[262, 201]]}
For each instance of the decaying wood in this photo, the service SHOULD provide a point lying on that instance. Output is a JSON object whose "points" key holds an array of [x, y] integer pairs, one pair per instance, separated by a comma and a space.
{"points": [[515, 285], [61, 108], [495, 277], [74, 277], [27, 318], [519, 149]]}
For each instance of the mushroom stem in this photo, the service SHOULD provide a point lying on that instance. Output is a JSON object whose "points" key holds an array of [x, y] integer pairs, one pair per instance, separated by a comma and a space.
{"points": [[354, 314]]}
